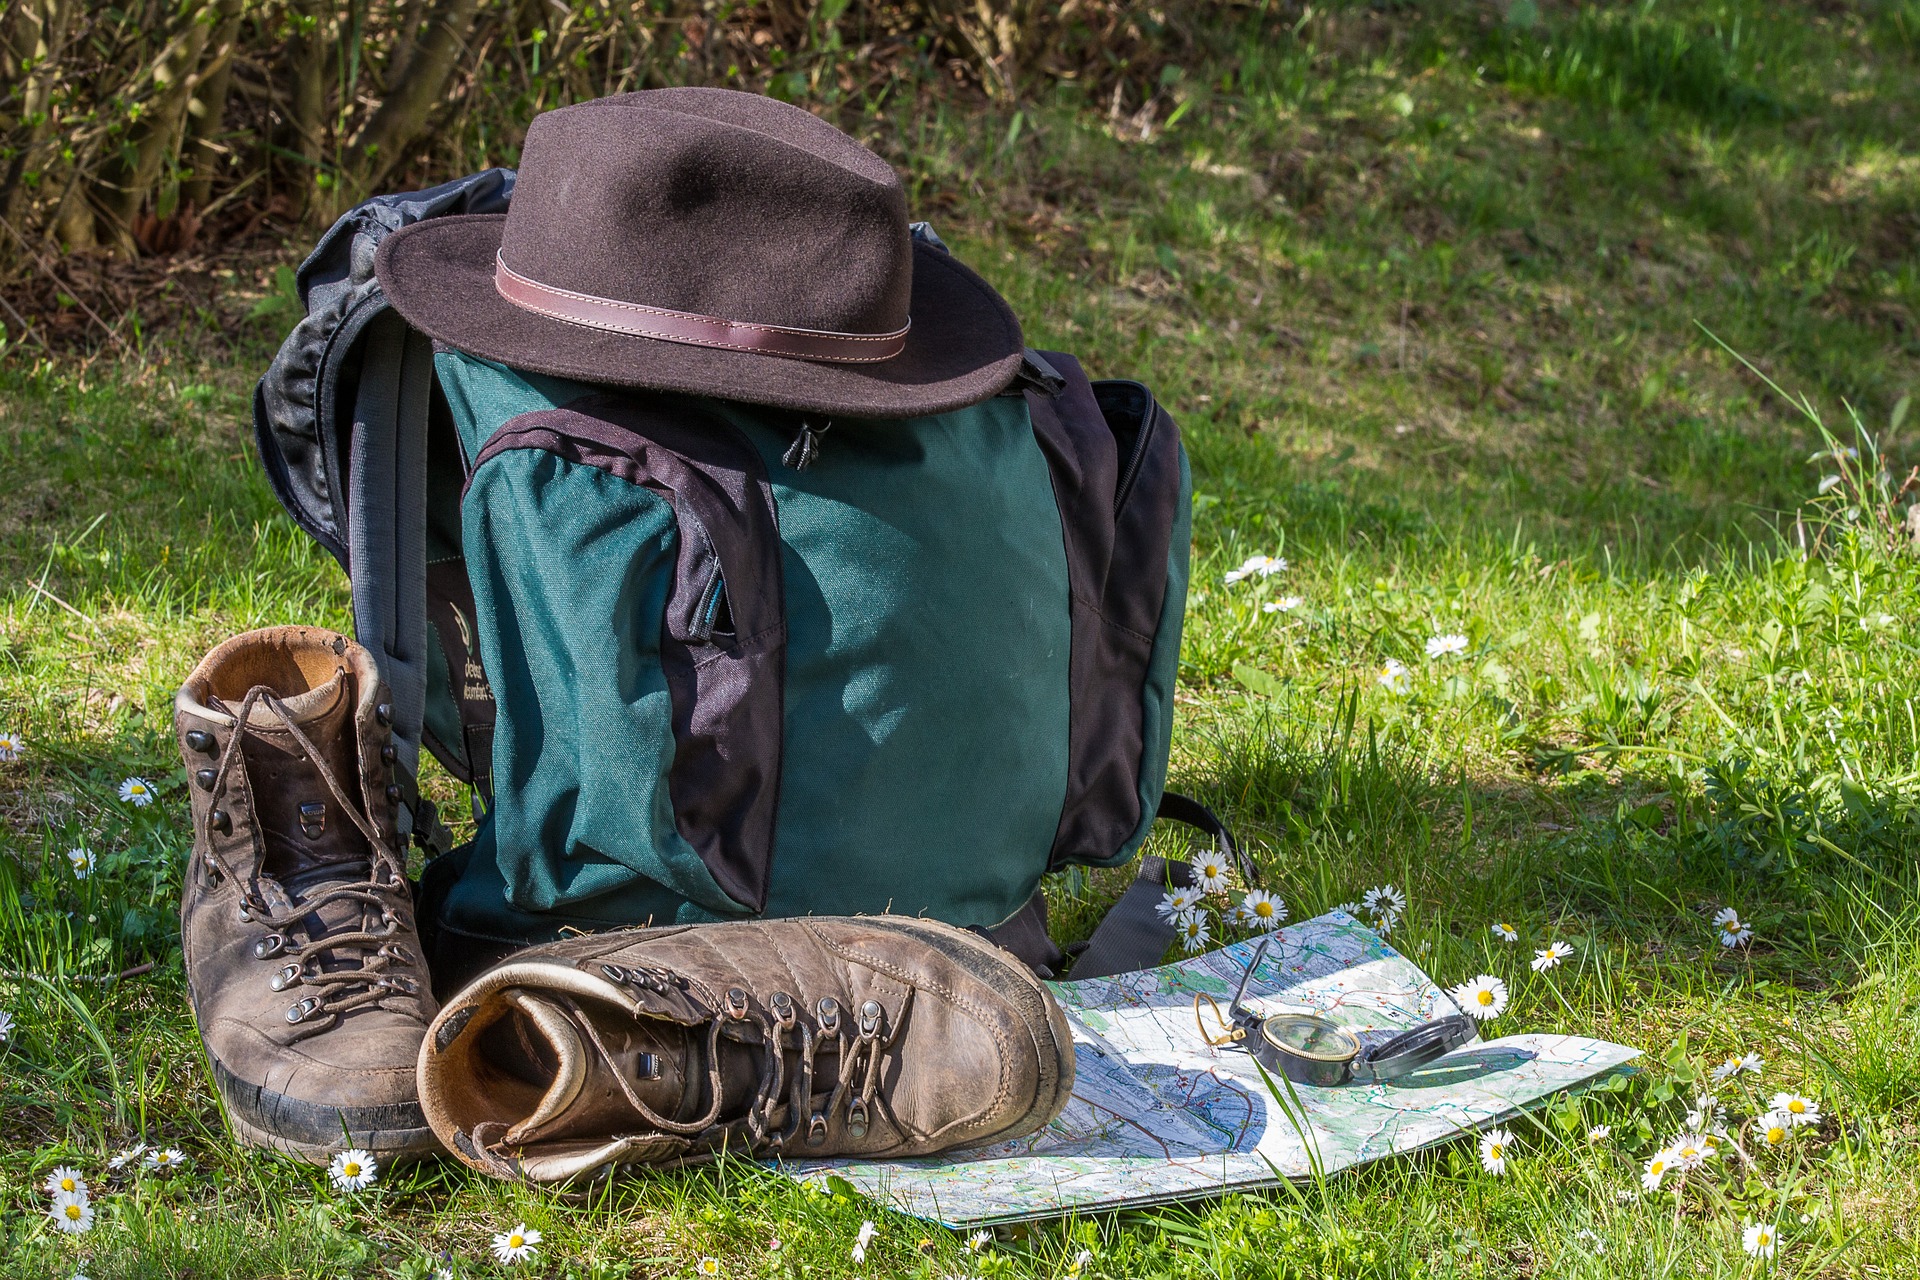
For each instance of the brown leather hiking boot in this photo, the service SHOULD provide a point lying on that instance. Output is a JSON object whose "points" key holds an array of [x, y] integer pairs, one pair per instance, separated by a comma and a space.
{"points": [[877, 1036], [302, 958]]}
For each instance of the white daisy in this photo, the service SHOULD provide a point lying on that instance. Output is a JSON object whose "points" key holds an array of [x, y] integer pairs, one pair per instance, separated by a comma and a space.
{"points": [[353, 1170], [1257, 567], [66, 1181], [515, 1245], [1505, 932], [1384, 900], [1262, 910], [1658, 1166], [862, 1240], [1734, 933], [1797, 1108], [1551, 957], [12, 747], [1691, 1150], [1177, 904], [137, 792], [1081, 1261], [82, 860], [72, 1214], [1194, 934], [1600, 1133], [1285, 604], [1708, 1113], [1483, 999], [130, 1156], [1441, 646], [707, 1267], [1757, 1240], [6, 1025], [1210, 873], [1394, 678], [1775, 1128], [1747, 1063], [164, 1159], [1494, 1146], [978, 1241]]}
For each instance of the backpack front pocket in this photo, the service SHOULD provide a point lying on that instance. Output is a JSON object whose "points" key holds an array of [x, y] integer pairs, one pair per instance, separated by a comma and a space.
{"points": [[628, 553]]}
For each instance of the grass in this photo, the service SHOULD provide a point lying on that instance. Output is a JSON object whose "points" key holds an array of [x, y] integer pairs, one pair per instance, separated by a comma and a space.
{"points": [[1429, 290]]}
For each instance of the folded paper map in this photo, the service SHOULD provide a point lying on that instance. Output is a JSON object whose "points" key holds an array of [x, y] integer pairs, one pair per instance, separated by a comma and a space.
{"points": [[1159, 1115]]}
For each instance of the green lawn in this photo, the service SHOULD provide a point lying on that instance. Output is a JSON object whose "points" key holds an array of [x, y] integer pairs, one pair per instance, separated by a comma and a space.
{"points": [[1430, 293]]}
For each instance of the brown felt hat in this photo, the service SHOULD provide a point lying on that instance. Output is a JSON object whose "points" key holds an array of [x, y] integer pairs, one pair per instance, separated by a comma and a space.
{"points": [[712, 242]]}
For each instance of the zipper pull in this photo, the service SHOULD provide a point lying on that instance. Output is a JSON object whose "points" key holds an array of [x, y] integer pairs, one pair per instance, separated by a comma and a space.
{"points": [[806, 446]]}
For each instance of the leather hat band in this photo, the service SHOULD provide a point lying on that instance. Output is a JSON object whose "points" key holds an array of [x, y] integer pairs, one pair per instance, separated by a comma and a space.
{"points": [[616, 316]]}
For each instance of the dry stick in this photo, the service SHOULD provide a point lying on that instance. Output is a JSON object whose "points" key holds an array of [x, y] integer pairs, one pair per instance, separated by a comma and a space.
{"points": [[27, 326], [103, 979], [73, 292], [64, 605]]}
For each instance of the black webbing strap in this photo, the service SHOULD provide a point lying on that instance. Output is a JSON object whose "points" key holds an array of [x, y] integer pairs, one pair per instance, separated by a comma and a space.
{"points": [[1133, 934], [387, 542]]}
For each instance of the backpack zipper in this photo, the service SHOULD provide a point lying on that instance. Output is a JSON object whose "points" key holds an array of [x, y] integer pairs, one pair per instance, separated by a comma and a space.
{"points": [[805, 448], [1139, 457]]}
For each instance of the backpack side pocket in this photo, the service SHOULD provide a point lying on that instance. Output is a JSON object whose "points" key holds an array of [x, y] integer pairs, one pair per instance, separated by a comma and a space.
{"points": [[720, 647], [1115, 458]]}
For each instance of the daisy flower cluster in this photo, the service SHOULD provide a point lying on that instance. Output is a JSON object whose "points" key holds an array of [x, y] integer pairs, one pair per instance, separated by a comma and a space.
{"points": [[1205, 910], [1397, 679], [1379, 908], [72, 1209], [1255, 568]]}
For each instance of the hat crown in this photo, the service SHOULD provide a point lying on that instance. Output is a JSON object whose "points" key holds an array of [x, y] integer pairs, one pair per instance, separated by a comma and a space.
{"points": [[716, 204]]}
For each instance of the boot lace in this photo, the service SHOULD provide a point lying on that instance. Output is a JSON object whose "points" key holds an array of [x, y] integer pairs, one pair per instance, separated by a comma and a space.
{"points": [[784, 1100], [386, 966]]}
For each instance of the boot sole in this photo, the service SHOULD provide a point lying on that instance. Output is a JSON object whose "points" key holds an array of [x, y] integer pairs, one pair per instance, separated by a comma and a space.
{"points": [[394, 1133]]}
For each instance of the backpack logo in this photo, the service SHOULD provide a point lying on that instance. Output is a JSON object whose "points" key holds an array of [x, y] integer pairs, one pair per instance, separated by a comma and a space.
{"points": [[474, 688]]}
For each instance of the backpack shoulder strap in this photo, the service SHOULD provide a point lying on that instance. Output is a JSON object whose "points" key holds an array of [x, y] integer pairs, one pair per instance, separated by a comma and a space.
{"points": [[341, 420]]}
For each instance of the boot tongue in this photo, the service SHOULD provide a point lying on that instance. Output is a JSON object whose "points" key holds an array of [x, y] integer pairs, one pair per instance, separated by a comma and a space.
{"points": [[594, 1051], [304, 826]]}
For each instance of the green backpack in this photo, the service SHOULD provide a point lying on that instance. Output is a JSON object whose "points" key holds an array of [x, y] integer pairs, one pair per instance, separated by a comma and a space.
{"points": [[704, 660]]}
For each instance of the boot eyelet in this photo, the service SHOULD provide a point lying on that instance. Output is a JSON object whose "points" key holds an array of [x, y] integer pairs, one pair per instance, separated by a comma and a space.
{"points": [[857, 1119], [782, 1005], [388, 754], [829, 1011], [816, 1129], [736, 1004], [205, 778], [285, 978], [202, 741], [384, 714], [393, 795], [245, 916], [220, 820], [270, 946], [614, 973], [300, 1012]]}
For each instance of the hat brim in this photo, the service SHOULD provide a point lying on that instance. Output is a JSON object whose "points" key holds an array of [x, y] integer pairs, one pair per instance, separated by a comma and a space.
{"points": [[964, 345]]}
